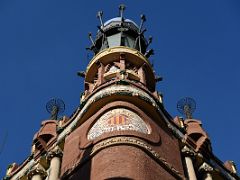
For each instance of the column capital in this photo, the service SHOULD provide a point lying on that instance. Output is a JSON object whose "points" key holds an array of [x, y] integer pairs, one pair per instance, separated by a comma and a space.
{"points": [[56, 152], [206, 167], [188, 152], [37, 170]]}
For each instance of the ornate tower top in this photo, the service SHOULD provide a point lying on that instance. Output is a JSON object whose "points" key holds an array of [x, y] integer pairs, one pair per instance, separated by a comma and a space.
{"points": [[120, 31], [120, 54]]}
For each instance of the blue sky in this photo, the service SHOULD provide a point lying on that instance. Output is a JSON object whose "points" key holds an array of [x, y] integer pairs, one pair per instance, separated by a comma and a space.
{"points": [[42, 46]]}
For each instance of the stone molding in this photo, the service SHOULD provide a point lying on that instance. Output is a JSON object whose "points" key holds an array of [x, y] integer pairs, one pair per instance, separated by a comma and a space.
{"points": [[37, 170]]}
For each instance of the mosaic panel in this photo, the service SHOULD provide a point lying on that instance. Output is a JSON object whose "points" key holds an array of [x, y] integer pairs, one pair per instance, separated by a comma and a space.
{"points": [[119, 119]]}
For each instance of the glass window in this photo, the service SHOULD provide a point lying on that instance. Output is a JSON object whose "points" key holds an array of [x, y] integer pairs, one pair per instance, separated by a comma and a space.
{"points": [[127, 41], [114, 40]]}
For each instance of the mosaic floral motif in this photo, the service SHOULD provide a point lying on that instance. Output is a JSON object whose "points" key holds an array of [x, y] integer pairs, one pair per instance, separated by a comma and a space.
{"points": [[119, 119]]}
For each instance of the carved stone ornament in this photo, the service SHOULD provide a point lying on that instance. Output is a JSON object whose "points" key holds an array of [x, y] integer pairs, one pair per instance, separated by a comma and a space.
{"points": [[206, 167], [37, 170], [119, 119], [56, 152], [188, 152]]}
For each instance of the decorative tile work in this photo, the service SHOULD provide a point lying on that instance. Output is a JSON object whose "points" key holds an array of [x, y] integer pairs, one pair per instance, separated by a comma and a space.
{"points": [[119, 119]]}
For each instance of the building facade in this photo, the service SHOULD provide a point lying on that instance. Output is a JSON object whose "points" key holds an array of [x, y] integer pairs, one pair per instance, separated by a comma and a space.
{"points": [[121, 129]]}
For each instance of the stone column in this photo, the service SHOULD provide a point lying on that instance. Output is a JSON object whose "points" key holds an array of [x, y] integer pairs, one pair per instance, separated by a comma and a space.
{"points": [[206, 169], [100, 73], [188, 154], [37, 173], [54, 157], [122, 61], [142, 75]]}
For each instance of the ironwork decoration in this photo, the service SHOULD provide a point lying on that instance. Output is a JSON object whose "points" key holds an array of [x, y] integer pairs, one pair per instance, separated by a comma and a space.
{"points": [[81, 74], [149, 53], [143, 19], [93, 47], [186, 106], [54, 107], [122, 7], [99, 16], [140, 32]]}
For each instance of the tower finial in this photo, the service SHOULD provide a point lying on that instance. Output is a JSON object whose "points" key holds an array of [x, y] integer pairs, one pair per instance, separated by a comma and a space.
{"points": [[122, 7], [186, 106], [54, 107], [99, 16]]}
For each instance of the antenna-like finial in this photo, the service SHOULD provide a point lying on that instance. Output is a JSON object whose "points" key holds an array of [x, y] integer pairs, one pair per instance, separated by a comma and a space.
{"points": [[143, 19], [122, 7], [186, 106], [81, 74], [54, 107], [149, 41], [140, 33], [91, 39], [99, 16], [149, 53], [93, 47]]}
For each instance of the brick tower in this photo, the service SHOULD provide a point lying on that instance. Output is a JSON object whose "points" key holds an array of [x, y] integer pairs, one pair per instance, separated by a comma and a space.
{"points": [[121, 129]]}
